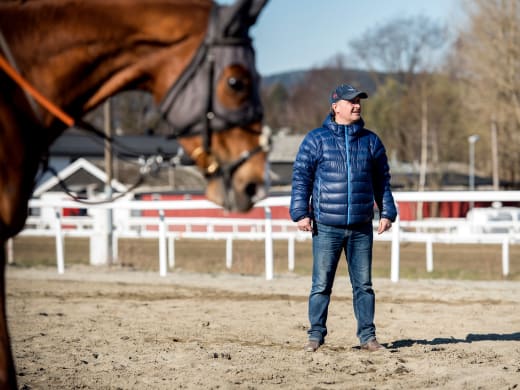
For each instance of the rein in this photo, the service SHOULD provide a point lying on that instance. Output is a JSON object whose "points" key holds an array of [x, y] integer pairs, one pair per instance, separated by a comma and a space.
{"points": [[34, 95], [209, 122]]}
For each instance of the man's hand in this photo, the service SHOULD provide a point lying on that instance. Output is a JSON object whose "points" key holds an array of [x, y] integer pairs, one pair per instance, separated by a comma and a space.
{"points": [[384, 225], [304, 225]]}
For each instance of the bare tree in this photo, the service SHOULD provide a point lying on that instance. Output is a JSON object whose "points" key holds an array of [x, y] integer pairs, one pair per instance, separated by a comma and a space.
{"points": [[133, 113], [402, 47], [405, 48], [488, 54], [308, 104]]}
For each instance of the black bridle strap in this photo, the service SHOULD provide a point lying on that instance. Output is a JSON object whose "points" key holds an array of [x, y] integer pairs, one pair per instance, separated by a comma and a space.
{"points": [[34, 95], [227, 170], [67, 190], [206, 136]]}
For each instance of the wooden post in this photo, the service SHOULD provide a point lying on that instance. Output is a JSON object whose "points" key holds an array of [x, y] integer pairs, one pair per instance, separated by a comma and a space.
{"points": [[108, 184]]}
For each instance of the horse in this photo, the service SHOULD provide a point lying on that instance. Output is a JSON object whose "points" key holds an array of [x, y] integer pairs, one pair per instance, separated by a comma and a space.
{"points": [[62, 58]]}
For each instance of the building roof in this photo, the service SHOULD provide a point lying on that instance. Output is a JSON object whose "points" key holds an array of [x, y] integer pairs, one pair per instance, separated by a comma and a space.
{"points": [[75, 145], [77, 176]]}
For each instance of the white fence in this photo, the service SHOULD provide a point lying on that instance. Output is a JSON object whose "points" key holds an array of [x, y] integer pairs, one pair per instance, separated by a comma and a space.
{"points": [[166, 229]]}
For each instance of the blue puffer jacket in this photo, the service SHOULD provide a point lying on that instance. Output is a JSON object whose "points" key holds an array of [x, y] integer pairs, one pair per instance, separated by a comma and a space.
{"points": [[341, 170]]}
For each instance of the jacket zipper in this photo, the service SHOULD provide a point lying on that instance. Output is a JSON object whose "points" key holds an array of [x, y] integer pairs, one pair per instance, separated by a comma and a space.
{"points": [[349, 192]]}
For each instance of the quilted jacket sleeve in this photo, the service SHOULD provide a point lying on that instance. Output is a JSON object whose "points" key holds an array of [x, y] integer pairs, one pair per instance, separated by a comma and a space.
{"points": [[304, 168], [381, 182]]}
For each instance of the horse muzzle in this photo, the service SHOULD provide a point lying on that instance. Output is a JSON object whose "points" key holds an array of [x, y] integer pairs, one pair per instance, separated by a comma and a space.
{"points": [[239, 185]]}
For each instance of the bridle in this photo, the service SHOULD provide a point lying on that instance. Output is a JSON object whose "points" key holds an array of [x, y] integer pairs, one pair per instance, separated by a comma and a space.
{"points": [[212, 117], [197, 86]]}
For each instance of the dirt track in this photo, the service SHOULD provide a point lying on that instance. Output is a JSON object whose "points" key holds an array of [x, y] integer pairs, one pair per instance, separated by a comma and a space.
{"points": [[98, 328]]}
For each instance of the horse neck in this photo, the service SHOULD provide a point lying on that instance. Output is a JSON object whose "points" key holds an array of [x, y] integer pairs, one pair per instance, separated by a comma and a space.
{"points": [[80, 53]]}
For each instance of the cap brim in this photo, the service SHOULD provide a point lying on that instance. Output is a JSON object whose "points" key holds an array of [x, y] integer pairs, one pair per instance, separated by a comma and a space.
{"points": [[362, 95]]}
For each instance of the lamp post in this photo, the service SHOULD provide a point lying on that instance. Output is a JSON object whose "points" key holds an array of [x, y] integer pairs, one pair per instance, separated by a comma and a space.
{"points": [[472, 139]]}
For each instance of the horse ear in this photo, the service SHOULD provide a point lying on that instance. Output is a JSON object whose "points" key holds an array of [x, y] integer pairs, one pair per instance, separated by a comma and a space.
{"points": [[237, 18]]}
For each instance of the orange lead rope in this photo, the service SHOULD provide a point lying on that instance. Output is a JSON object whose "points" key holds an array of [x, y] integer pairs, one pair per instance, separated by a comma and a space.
{"points": [[48, 105]]}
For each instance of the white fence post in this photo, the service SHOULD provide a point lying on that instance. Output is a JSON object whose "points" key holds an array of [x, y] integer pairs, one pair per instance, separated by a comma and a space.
{"points": [[268, 245], [505, 256], [99, 239], [59, 242], [394, 261], [429, 254], [10, 254], [162, 244]]}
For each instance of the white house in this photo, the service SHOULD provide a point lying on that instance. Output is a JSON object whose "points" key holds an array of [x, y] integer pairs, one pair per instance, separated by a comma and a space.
{"points": [[85, 180]]}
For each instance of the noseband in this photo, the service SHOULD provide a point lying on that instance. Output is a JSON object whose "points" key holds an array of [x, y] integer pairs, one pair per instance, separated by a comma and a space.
{"points": [[190, 107]]}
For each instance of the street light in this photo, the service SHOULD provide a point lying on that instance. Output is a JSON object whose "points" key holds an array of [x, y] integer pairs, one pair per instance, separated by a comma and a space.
{"points": [[472, 139]]}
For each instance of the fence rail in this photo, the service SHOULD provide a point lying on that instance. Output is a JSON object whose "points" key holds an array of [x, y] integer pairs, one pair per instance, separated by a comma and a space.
{"points": [[168, 229]]}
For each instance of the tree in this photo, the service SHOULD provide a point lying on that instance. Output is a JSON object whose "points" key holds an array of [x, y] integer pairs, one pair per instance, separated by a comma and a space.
{"points": [[275, 101], [406, 48], [133, 113], [488, 56], [309, 99], [403, 47]]}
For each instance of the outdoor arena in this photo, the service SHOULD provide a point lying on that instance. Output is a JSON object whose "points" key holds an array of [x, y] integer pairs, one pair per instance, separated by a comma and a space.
{"points": [[122, 327]]}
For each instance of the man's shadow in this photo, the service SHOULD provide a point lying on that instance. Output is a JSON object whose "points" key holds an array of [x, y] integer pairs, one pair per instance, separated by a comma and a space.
{"points": [[470, 338]]}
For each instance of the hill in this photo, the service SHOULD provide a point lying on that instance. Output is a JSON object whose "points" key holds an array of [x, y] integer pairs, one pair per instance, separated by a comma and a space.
{"points": [[359, 78]]}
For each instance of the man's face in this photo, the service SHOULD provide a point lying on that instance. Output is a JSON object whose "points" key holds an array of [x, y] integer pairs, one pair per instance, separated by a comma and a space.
{"points": [[347, 111]]}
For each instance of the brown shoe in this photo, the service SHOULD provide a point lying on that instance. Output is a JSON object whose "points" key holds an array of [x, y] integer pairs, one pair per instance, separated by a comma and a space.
{"points": [[372, 346], [311, 346]]}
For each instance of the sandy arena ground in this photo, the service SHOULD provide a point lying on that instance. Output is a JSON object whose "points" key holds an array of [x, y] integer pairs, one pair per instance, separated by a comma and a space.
{"points": [[101, 328]]}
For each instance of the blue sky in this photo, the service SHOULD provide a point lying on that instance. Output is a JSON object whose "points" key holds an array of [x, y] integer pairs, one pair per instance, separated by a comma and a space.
{"points": [[300, 34]]}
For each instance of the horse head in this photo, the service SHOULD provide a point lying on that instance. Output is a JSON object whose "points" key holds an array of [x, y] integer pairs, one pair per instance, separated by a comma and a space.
{"points": [[196, 58], [214, 109]]}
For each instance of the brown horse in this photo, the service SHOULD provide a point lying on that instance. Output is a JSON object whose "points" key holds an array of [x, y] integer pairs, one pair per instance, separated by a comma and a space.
{"points": [[193, 56]]}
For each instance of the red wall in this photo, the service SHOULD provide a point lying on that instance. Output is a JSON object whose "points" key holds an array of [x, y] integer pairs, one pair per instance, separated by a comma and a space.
{"points": [[407, 210], [454, 209], [277, 212]]}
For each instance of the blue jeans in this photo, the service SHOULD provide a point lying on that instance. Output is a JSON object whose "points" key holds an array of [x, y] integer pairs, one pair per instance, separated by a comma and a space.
{"points": [[328, 242]]}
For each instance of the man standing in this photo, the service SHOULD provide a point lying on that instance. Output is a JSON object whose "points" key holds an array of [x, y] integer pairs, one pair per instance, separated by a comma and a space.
{"points": [[340, 170]]}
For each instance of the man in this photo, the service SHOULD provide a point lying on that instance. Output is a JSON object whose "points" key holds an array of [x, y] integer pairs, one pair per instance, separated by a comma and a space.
{"points": [[340, 170]]}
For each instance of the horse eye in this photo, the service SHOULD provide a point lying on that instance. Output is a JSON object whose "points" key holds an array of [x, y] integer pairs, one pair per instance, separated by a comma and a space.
{"points": [[236, 84]]}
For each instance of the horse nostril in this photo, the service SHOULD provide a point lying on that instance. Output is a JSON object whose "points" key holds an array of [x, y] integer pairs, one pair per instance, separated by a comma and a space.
{"points": [[256, 192], [250, 189]]}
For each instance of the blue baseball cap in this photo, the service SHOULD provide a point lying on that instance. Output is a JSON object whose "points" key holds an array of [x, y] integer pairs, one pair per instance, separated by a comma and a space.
{"points": [[346, 92]]}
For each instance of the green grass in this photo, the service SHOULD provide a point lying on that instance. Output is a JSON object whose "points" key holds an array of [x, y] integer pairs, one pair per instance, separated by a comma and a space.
{"points": [[451, 261]]}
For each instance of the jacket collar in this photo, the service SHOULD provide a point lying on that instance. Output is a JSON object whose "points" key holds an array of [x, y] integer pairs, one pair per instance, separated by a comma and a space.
{"points": [[352, 129]]}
